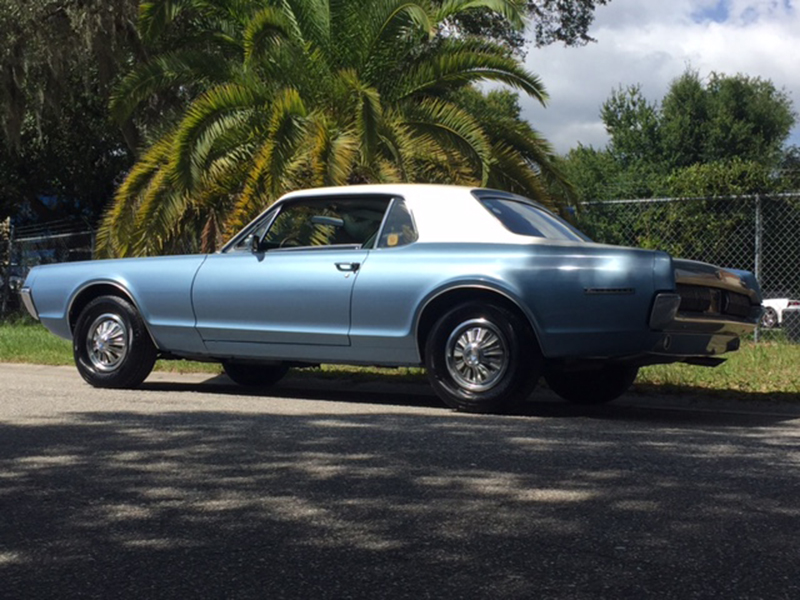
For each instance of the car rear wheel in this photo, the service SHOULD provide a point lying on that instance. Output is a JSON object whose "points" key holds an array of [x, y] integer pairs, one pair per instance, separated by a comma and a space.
{"points": [[111, 345], [769, 319], [592, 387], [482, 358], [255, 375]]}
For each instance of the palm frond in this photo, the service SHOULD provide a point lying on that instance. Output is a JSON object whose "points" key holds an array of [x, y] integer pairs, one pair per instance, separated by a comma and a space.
{"points": [[312, 20], [511, 171], [161, 209], [458, 65], [364, 109], [266, 177], [118, 224], [452, 126], [267, 28], [332, 152], [156, 16], [383, 23], [208, 118], [166, 71]]}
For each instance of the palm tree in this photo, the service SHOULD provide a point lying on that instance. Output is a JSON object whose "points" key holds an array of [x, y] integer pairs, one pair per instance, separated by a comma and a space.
{"points": [[283, 94]]}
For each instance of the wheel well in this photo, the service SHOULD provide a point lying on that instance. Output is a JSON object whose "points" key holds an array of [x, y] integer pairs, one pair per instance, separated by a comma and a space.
{"points": [[89, 294], [441, 304]]}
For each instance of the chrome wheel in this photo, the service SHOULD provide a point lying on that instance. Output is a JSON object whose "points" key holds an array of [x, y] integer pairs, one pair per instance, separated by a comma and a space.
{"points": [[769, 319], [107, 342], [477, 355]]}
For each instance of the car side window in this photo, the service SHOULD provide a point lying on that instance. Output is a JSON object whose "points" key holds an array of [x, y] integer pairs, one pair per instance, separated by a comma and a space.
{"points": [[326, 222], [399, 229], [526, 219]]}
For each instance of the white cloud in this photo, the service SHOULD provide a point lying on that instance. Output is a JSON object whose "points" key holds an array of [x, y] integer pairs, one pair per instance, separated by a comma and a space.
{"points": [[651, 42]]}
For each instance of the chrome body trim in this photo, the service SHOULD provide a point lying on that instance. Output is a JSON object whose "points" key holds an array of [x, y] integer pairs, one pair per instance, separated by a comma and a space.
{"points": [[665, 308], [465, 287], [122, 289], [26, 296]]}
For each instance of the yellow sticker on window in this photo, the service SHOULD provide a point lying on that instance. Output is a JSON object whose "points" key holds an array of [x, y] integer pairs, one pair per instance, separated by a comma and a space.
{"points": [[392, 239]]}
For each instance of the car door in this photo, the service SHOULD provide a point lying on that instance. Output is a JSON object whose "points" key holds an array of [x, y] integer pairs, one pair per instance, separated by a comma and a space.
{"points": [[291, 286]]}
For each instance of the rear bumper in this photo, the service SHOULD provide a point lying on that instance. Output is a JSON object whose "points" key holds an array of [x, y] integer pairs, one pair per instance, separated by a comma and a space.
{"points": [[677, 335]]}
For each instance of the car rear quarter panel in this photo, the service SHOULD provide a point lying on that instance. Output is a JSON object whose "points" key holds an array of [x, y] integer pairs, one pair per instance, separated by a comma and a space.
{"points": [[581, 299], [160, 287]]}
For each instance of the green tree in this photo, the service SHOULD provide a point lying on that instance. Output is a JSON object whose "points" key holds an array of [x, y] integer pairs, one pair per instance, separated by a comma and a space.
{"points": [[565, 21], [46, 44], [718, 121], [734, 177], [60, 154], [65, 165], [633, 125], [728, 117], [311, 92], [593, 172]]}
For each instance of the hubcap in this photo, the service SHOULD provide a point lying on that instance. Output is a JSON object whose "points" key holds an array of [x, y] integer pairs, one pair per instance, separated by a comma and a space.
{"points": [[107, 342], [477, 355]]}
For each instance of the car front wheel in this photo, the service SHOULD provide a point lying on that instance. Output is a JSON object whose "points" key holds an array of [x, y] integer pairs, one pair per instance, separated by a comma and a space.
{"points": [[255, 375], [592, 387], [482, 358], [111, 346]]}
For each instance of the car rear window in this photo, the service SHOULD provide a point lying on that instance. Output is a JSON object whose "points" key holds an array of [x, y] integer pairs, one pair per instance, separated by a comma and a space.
{"points": [[527, 219]]}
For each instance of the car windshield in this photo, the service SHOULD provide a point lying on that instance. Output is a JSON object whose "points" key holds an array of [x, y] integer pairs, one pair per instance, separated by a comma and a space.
{"points": [[526, 219]]}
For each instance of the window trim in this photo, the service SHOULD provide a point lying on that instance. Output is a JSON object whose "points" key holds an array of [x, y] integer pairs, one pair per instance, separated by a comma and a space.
{"points": [[271, 213], [397, 199]]}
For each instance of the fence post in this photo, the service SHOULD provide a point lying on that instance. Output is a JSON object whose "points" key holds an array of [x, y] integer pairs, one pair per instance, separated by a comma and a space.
{"points": [[759, 241], [6, 264]]}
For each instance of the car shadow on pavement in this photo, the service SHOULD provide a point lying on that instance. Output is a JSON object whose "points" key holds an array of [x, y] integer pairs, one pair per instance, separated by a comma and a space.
{"points": [[680, 405]]}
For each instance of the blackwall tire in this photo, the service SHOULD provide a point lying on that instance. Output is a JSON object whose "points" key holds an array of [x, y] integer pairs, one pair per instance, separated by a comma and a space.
{"points": [[254, 375], [592, 387], [111, 345], [482, 358]]}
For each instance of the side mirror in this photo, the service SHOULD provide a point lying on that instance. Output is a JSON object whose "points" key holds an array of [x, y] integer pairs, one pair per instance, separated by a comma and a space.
{"points": [[255, 244]]}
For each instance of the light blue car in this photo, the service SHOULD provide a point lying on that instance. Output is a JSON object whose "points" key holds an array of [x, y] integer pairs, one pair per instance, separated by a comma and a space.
{"points": [[487, 290]]}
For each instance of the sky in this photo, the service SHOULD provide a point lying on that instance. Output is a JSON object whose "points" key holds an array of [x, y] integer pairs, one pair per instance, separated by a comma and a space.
{"points": [[651, 43]]}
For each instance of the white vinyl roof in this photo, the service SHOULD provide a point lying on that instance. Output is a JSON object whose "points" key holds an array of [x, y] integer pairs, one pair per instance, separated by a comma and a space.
{"points": [[442, 213]]}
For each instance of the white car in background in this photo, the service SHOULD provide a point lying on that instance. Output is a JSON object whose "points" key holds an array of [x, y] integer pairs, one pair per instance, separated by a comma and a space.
{"points": [[773, 311]]}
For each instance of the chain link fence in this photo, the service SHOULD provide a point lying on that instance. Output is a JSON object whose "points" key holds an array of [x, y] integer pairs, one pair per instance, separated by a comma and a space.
{"points": [[757, 233], [22, 248]]}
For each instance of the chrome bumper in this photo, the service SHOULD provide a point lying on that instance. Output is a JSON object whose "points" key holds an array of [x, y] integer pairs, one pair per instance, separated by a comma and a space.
{"points": [[27, 301], [689, 335]]}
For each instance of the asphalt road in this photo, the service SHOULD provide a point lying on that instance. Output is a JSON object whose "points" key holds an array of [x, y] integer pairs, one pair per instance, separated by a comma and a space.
{"points": [[189, 488]]}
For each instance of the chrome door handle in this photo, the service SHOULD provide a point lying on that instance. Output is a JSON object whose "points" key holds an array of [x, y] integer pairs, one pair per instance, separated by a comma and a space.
{"points": [[348, 267]]}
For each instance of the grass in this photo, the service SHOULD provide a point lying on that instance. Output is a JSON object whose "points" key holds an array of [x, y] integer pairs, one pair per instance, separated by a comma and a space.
{"points": [[767, 369]]}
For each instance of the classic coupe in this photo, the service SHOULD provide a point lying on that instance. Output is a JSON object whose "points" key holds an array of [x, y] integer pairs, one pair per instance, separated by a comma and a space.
{"points": [[487, 290]]}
